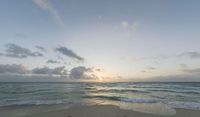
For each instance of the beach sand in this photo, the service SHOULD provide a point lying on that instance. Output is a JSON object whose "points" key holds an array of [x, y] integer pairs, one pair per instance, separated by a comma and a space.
{"points": [[83, 111]]}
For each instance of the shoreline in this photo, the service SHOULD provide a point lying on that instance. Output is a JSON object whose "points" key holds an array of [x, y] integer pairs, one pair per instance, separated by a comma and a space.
{"points": [[84, 111]]}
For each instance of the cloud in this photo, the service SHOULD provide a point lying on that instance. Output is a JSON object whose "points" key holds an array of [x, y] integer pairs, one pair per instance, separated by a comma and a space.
{"points": [[184, 66], [187, 70], [188, 75], [47, 6], [196, 70], [85, 73], [148, 69], [50, 71], [89, 73], [159, 57], [190, 54], [151, 68], [52, 61], [80, 72], [124, 24], [20, 35], [143, 71], [40, 48], [19, 69], [175, 78], [13, 69], [129, 28], [16, 51], [98, 69], [67, 52]]}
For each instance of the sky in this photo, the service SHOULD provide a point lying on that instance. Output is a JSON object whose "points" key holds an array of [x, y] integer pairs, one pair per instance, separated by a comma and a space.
{"points": [[99, 40]]}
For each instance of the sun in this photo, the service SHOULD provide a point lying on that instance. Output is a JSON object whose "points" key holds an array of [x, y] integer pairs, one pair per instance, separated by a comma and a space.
{"points": [[100, 78], [99, 75]]}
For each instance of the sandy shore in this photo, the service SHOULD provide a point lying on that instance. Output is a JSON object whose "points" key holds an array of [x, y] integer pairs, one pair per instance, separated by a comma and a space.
{"points": [[83, 111]]}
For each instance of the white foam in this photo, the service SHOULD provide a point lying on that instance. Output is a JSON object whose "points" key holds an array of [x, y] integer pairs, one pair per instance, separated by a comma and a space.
{"points": [[138, 100], [31, 102], [154, 108]]}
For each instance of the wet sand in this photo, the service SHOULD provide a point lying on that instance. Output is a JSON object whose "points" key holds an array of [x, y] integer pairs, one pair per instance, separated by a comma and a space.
{"points": [[83, 111]]}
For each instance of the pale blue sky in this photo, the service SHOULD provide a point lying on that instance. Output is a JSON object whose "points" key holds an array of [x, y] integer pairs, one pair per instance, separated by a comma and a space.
{"points": [[127, 38]]}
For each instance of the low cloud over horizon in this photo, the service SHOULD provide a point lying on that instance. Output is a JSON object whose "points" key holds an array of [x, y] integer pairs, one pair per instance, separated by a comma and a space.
{"points": [[76, 73], [59, 69]]}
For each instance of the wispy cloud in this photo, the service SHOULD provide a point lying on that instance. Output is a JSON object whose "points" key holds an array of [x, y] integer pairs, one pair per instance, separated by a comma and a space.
{"points": [[40, 48], [124, 24], [67, 52], [148, 69], [196, 70], [52, 61], [193, 77], [143, 71], [20, 35], [47, 6], [190, 54], [129, 27], [184, 66], [151, 68]]}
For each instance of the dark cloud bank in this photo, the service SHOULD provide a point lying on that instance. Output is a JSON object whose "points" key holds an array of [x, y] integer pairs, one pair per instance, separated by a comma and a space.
{"points": [[18, 70]]}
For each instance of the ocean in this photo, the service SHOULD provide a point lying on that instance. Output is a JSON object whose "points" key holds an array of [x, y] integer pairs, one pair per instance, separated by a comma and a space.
{"points": [[139, 96]]}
